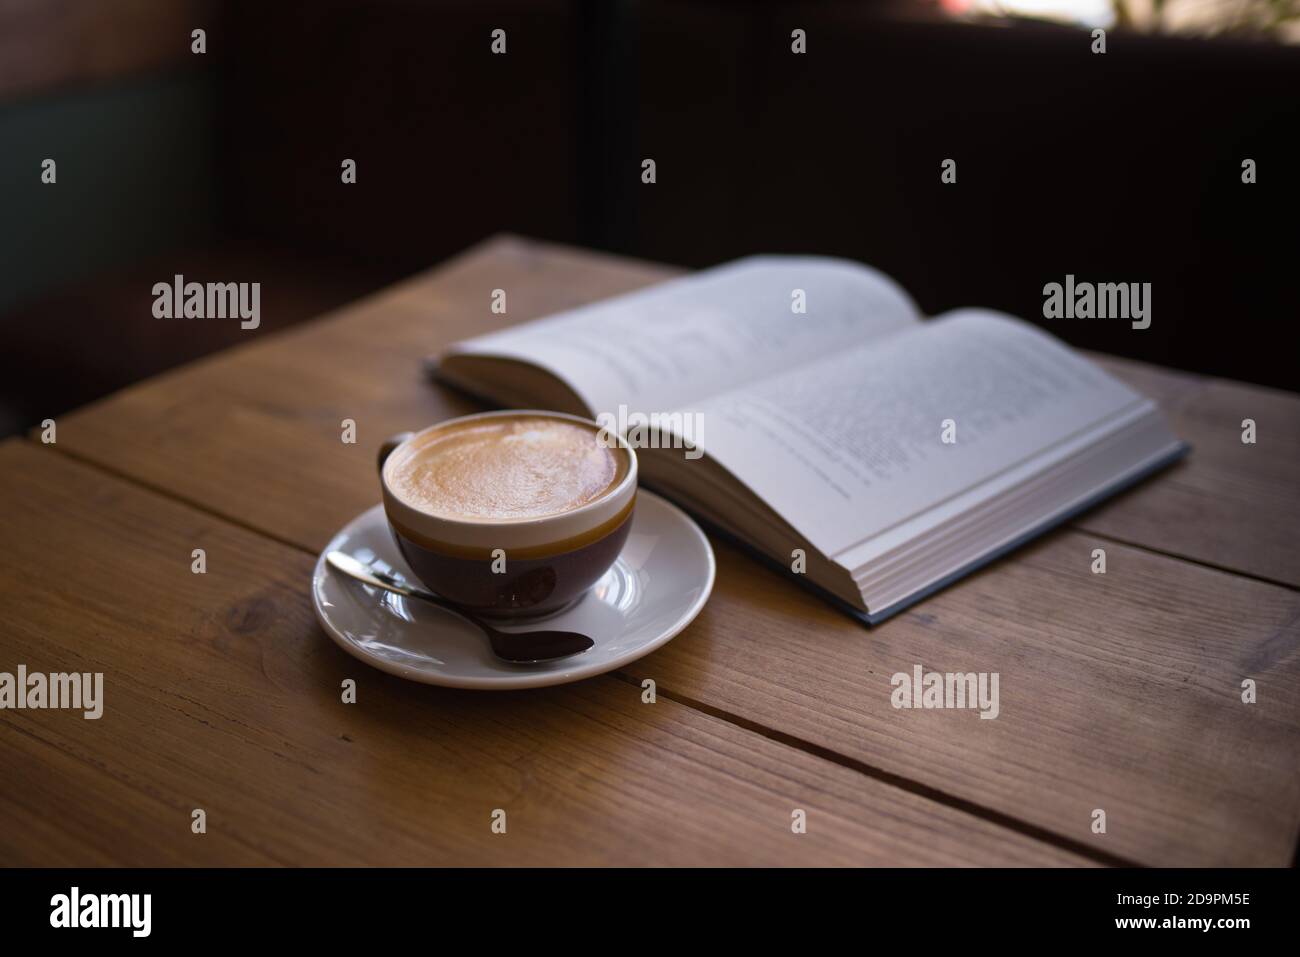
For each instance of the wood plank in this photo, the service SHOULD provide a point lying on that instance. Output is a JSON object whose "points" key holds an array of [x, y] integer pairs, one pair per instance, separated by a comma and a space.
{"points": [[254, 434], [221, 693], [1119, 691], [1228, 505]]}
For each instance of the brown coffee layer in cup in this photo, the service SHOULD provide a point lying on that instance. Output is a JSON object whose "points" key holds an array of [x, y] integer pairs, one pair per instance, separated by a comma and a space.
{"points": [[531, 584], [486, 553]]}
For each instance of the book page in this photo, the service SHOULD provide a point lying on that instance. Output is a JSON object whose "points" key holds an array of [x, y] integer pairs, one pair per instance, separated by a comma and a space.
{"points": [[673, 344], [847, 447]]}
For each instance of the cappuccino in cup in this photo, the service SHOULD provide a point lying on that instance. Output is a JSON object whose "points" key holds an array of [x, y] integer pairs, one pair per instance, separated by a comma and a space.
{"points": [[509, 513], [506, 468]]}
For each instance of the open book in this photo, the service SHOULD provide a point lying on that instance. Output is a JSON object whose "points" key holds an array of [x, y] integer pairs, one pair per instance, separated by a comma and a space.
{"points": [[870, 453]]}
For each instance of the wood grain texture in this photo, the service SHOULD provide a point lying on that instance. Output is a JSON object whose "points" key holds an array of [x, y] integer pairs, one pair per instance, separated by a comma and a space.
{"points": [[222, 693], [1228, 505], [1119, 691]]}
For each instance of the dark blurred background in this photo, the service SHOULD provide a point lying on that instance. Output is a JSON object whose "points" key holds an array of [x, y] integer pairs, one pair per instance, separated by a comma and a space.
{"points": [[1123, 167]]}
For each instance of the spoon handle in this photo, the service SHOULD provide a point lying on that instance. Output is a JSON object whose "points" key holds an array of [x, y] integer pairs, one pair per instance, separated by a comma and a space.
{"points": [[372, 576]]}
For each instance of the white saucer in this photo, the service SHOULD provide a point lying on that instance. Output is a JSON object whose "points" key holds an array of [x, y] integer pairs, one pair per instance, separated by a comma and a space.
{"points": [[659, 583]]}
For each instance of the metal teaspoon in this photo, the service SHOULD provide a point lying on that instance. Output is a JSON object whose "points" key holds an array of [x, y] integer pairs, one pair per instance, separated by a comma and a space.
{"points": [[520, 648]]}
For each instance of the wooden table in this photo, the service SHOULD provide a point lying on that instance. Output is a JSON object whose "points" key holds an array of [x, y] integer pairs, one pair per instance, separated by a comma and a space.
{"points": [[1119, 692]]}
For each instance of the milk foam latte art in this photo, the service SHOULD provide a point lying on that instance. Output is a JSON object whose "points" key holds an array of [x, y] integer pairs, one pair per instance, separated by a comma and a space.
{"points": [[510, 467], [509, 513]]}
